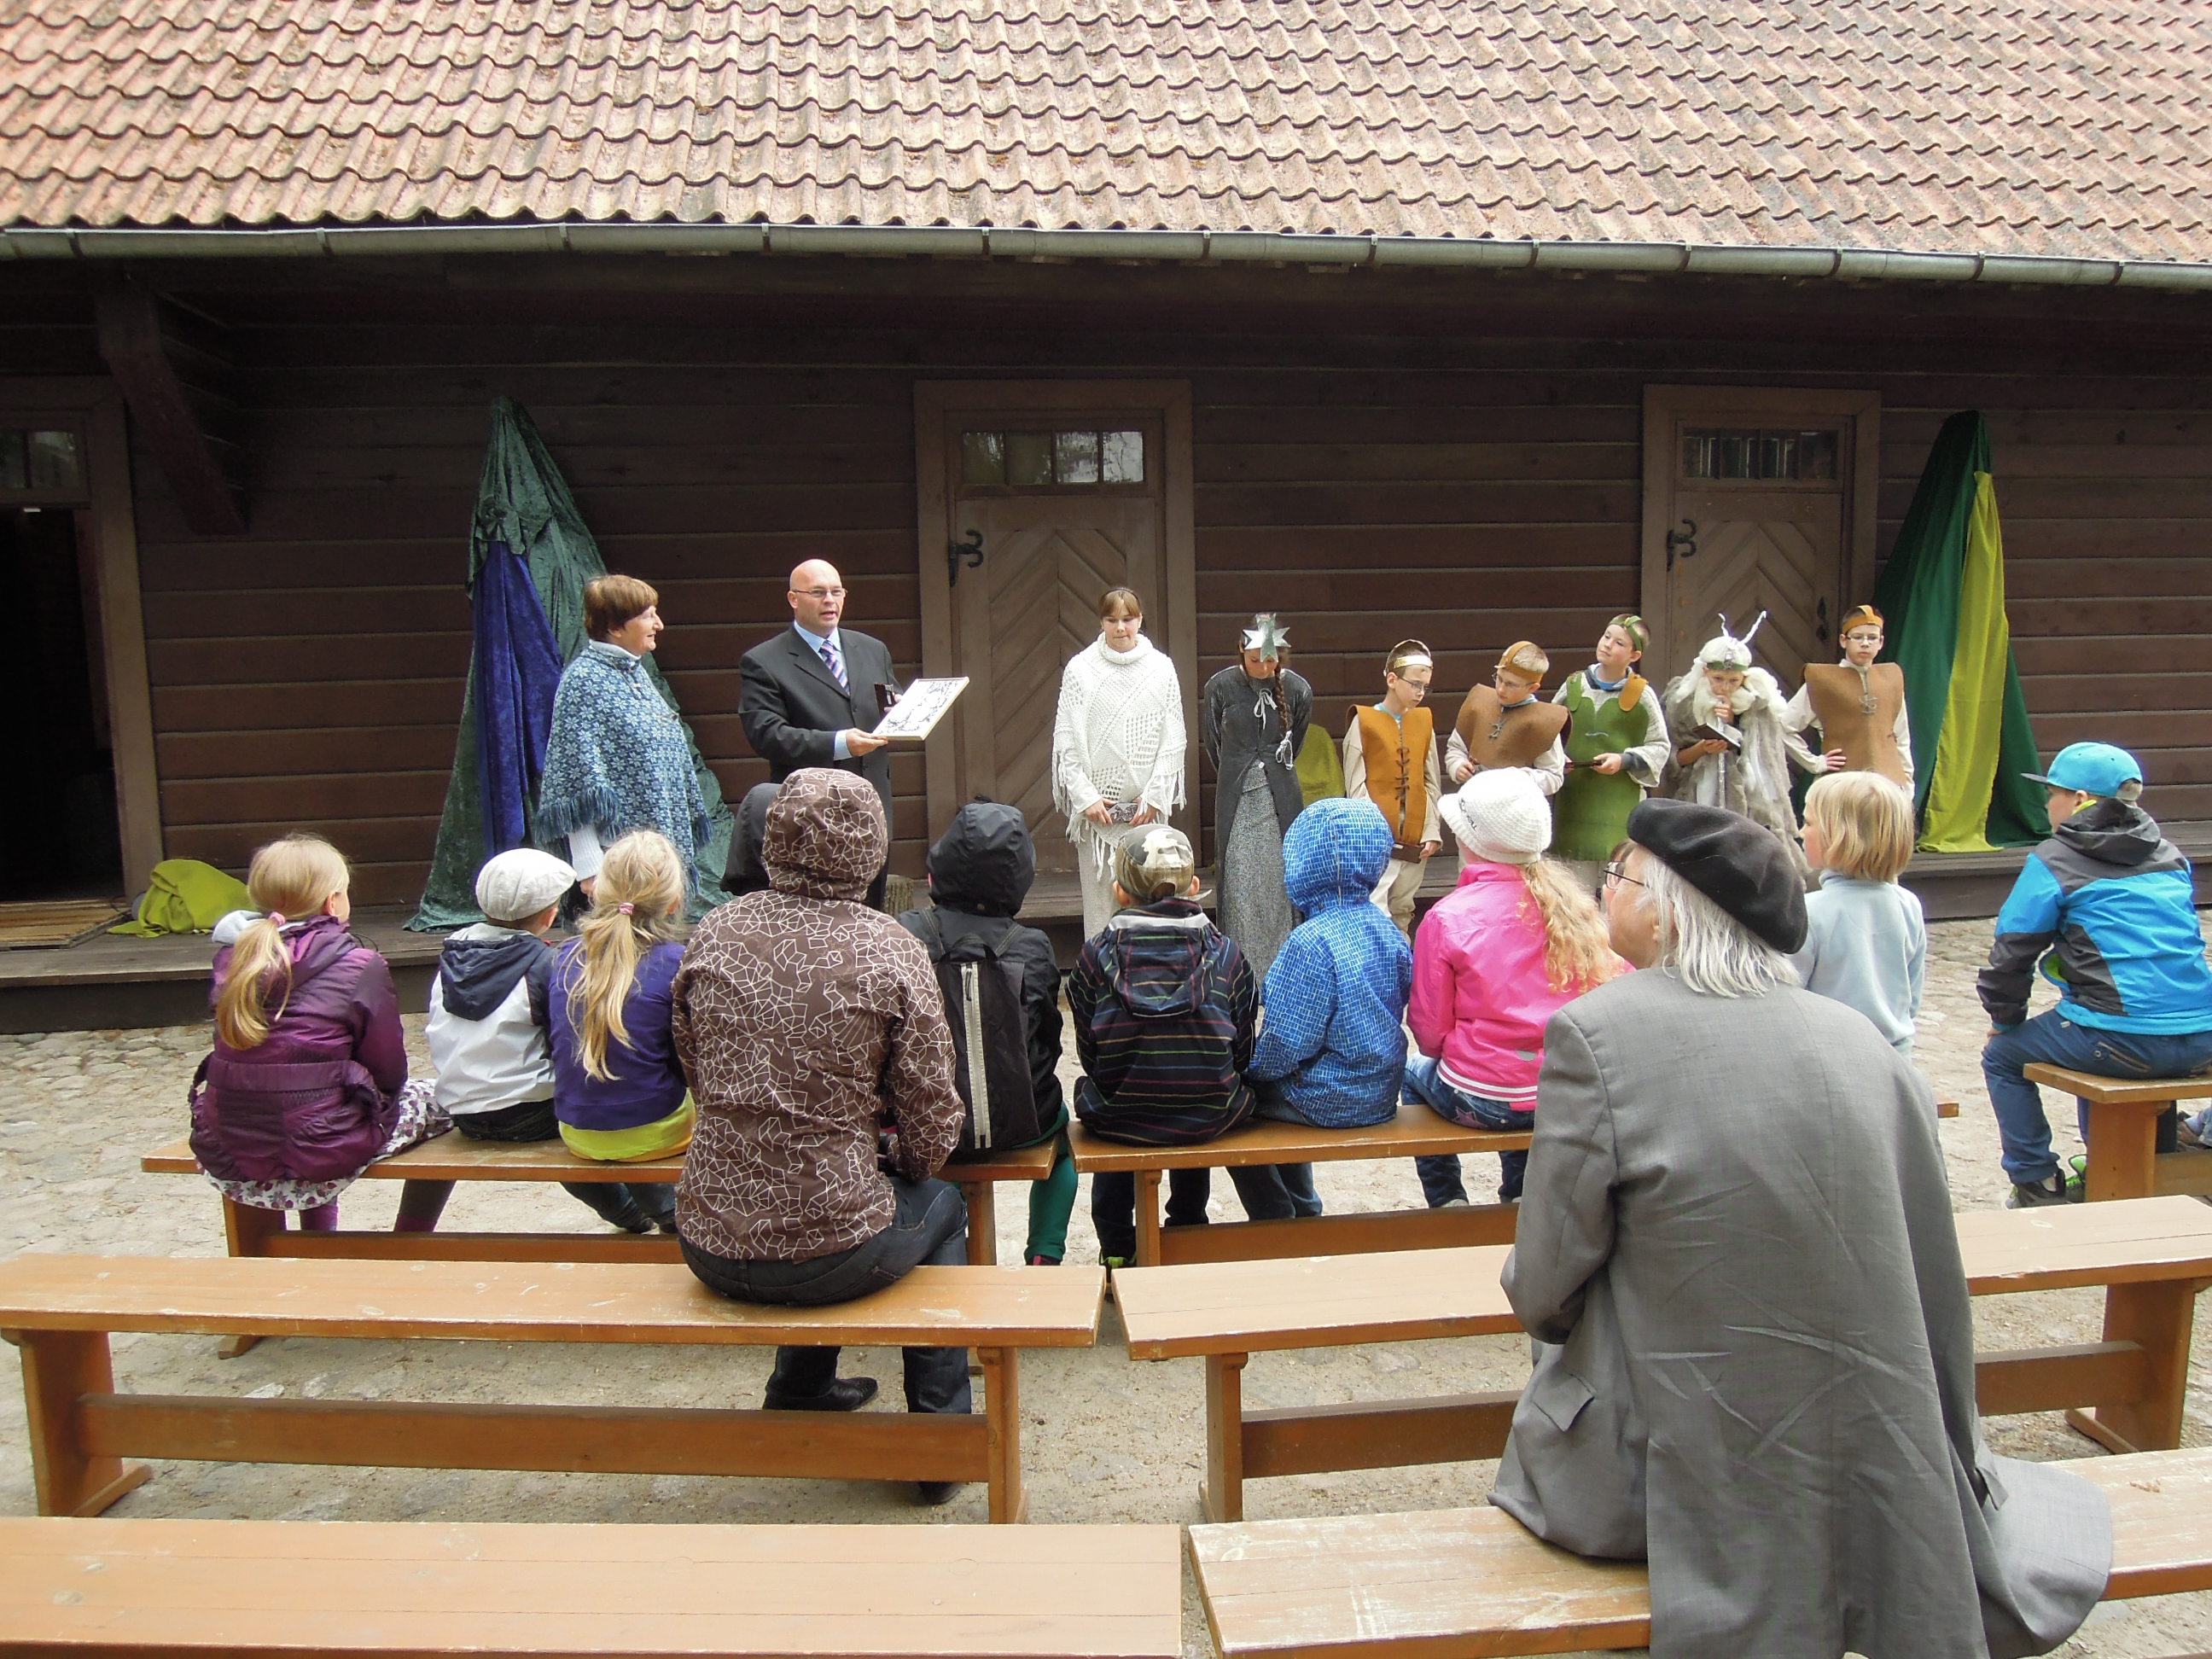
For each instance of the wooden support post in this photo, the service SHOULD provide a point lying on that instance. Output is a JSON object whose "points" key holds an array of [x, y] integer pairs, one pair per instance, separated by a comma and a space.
{"points": [[982, 1223], [2157, 1316], [247, 1231], [1223, 1494], [2123, 1149], [421, 1204], [1148, 1218], [60, 1368], [1002, 1412]]}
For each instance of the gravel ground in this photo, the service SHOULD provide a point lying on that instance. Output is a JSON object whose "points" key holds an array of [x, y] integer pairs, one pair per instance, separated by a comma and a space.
{"points": [[1107, 1439]]}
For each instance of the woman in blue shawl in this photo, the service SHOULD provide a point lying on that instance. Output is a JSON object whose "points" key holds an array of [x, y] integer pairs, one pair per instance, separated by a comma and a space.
{"points": [[617, 759]]}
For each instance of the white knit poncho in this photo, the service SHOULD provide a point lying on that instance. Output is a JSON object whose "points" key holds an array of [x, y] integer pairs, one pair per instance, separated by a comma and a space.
{"points": [[1118, 738]]}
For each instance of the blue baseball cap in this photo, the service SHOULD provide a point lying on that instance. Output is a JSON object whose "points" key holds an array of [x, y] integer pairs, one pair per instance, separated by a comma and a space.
{"points": [[2091, 768]]}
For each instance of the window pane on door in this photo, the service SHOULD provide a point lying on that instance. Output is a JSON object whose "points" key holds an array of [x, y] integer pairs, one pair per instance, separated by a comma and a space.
{"points": [[1122, 457], [42, 460], [1760, 453], [982, 458], [1075, 457], [1029, 458]]}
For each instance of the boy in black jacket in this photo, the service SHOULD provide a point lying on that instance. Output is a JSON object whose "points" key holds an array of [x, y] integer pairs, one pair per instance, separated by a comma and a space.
{"points": [[980, 872]]}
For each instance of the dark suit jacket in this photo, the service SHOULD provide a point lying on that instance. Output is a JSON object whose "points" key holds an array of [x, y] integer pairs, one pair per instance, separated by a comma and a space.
{"points": [[793, 707]]}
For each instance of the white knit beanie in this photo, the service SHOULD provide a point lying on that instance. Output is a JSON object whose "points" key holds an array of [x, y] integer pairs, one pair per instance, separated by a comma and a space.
{"points": [[1500, 816]]}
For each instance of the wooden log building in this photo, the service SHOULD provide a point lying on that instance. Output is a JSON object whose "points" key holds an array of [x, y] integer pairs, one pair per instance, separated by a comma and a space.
{"points": [[1470, 324]]}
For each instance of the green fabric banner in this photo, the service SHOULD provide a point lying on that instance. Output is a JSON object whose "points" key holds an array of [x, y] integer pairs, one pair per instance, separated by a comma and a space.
{"points": [[1942, 595], [523, 501]]}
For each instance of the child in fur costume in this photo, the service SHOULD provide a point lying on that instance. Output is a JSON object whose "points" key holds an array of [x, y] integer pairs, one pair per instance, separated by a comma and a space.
{"points": [[1723, 693]]}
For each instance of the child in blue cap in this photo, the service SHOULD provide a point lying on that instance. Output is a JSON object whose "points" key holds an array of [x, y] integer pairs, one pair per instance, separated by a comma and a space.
{"points": [[2111, 901]]}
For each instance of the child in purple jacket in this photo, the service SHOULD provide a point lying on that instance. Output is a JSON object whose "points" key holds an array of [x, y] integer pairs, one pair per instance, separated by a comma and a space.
{"points": [[307, 1085]]}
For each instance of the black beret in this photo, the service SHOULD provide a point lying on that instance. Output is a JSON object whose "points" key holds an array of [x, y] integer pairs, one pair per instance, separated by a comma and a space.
{"points": [[1740, 865]]}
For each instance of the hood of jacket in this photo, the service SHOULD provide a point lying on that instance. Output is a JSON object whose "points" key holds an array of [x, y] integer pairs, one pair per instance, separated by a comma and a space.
{"points": [[826, 836], [1335, 853], [985, 863], [479, 966], [2112, 832], [1161, 953]]}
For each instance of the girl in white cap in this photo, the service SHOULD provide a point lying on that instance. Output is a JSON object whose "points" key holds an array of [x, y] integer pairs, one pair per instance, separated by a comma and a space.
{"points": [[1518, 938]]}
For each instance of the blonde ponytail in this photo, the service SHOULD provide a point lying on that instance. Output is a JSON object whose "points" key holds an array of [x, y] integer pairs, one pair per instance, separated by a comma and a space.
{"points": [[636, 904], [290, 880], [1577, 950]]}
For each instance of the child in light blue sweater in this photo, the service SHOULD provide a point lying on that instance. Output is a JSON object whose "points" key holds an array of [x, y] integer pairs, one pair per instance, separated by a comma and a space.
{"points": [[1866, 939]]}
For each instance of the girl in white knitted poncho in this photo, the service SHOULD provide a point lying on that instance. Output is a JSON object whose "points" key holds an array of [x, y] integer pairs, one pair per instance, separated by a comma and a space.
{"points": [[1117, 746]]}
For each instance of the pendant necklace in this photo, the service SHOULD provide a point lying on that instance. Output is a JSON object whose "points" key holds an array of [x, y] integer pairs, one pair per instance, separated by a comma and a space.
{"points": [[1867, 703]]}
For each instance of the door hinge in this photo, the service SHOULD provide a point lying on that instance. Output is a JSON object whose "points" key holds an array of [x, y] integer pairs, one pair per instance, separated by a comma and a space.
{"points": [[969, 548]]}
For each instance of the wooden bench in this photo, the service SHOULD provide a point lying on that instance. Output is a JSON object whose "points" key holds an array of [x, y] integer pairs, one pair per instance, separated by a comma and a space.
{"points": [[2125, 1392], [60, 1309], [1414, 1133], [431, 1170], [210, 1588], [1475, 1582], [2124, 1161]]}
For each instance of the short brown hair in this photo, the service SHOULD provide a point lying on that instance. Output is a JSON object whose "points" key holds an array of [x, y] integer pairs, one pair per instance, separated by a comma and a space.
{"points": [[1865, 822], [1122, 599], [610, 602]]}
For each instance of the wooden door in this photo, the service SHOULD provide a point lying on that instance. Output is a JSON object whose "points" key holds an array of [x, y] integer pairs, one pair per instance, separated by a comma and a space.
{"points": [[1036, 499], [1756, 500]]}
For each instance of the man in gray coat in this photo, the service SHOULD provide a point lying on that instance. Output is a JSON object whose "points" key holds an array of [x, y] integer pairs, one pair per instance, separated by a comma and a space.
{"points": [[1737, 1256]]}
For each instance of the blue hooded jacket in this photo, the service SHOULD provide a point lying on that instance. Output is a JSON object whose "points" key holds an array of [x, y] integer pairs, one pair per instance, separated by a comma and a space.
{"points": [[1334, 1040], [2111, 899]]}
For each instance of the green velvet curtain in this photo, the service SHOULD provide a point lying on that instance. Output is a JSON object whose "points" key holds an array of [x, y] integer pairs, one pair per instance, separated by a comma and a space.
{"points": [[1942, 597], [523, 501]]}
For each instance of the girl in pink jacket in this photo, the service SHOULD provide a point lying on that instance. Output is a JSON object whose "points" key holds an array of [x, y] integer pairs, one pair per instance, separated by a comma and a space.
{"points": [[1516, 941]]}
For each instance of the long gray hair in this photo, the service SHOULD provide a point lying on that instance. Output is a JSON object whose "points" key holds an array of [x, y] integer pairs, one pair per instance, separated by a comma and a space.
{"points": [[1706, 948]]}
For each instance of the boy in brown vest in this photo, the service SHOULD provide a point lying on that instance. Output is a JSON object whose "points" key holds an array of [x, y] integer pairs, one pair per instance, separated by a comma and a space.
{"points": [[1385, 748], [1859, 706], [1506, 723]]}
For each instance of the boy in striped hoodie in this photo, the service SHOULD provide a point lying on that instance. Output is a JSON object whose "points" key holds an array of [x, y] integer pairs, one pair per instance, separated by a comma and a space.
{"points": [[1165, 1011]]}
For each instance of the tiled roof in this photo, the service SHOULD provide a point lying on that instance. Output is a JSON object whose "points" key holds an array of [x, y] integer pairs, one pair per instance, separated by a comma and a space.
{"points": [[2056, 127]]}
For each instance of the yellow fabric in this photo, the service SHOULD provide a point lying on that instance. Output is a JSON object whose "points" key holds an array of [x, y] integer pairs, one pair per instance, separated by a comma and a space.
{"points": [[665, 1139], [1320, 770], [1974, 716]]}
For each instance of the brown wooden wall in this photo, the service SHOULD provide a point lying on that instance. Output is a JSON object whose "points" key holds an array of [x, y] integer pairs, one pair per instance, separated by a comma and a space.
{"points": [[1469, 488]]}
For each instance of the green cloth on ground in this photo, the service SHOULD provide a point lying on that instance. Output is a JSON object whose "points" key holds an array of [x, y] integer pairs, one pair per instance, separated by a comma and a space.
{"points": [[1320, 769], [523, 501], [184, 895], [1942, 594]]}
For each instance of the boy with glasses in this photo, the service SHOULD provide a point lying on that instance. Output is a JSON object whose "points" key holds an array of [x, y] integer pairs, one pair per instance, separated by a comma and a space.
{"points": [[1858, 705]]}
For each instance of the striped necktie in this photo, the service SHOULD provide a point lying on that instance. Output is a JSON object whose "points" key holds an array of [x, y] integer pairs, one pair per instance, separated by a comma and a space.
{"points": [[836, 668]]}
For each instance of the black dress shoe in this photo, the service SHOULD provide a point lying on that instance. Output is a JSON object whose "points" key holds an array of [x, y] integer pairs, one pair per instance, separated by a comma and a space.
{"points": [[937, 1494], [846, 1394]]}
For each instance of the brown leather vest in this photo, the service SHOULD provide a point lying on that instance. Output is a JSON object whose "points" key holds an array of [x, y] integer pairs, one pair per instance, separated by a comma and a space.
{"points": [[1497, 736], [1867, 736], [1397, 757]]}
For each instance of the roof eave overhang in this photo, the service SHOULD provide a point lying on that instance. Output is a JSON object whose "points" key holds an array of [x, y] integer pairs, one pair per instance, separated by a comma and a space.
{"points": [[1164, 247]]}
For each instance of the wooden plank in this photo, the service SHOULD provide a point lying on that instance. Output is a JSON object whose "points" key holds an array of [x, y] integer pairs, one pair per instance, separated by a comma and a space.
{"points": [[135, 339], [2129, 1242], [2013, 1380], [226, 1587], [561, 1302], [1411, 1133], [2120, 1092], [1369, 1434], [1356, 1232], [1473, 1582], [575, 1439]]}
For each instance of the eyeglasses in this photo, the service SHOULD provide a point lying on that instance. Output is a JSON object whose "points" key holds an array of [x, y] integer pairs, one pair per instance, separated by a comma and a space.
{"points": [[1618, 873], [821, 592]]}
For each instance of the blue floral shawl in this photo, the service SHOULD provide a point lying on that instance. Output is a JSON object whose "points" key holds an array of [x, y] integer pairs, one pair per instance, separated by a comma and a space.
{"points": [[616, 757]]}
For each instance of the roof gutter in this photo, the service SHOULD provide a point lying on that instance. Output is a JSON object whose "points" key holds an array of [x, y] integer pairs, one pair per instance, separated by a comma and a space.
{"points": [[1120, 247]]}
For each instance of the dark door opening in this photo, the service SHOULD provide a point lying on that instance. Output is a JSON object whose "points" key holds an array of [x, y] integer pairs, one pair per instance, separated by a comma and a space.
{"points": [[58, 836]]}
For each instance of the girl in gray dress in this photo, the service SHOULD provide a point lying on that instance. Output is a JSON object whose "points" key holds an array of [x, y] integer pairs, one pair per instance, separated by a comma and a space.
{"points": [[1253, 725]]}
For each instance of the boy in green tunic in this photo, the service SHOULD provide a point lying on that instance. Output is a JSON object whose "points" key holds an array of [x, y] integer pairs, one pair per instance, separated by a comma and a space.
{"points": [[1617, 749]]}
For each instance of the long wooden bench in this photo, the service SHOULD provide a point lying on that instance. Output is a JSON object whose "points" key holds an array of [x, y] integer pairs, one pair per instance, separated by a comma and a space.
{"points": [[2124, 1161], [1475, 1582], [431, 1170], [1414, 1133], [206, 1589], [60, 1310], [2150, 1254]]}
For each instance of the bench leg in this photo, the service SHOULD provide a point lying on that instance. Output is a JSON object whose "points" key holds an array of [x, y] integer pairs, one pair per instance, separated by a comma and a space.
{"points": [[1223, 1494], [2123, 1155], [1148, 1218], [2158, 1316], [1002, 1414], [421, 1204], [247, 1231], [982, 1223], [59, 1368]]}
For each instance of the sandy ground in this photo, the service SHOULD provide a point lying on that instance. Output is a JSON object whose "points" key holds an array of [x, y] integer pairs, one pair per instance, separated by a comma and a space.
{"points": [[1107, 1439]]}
